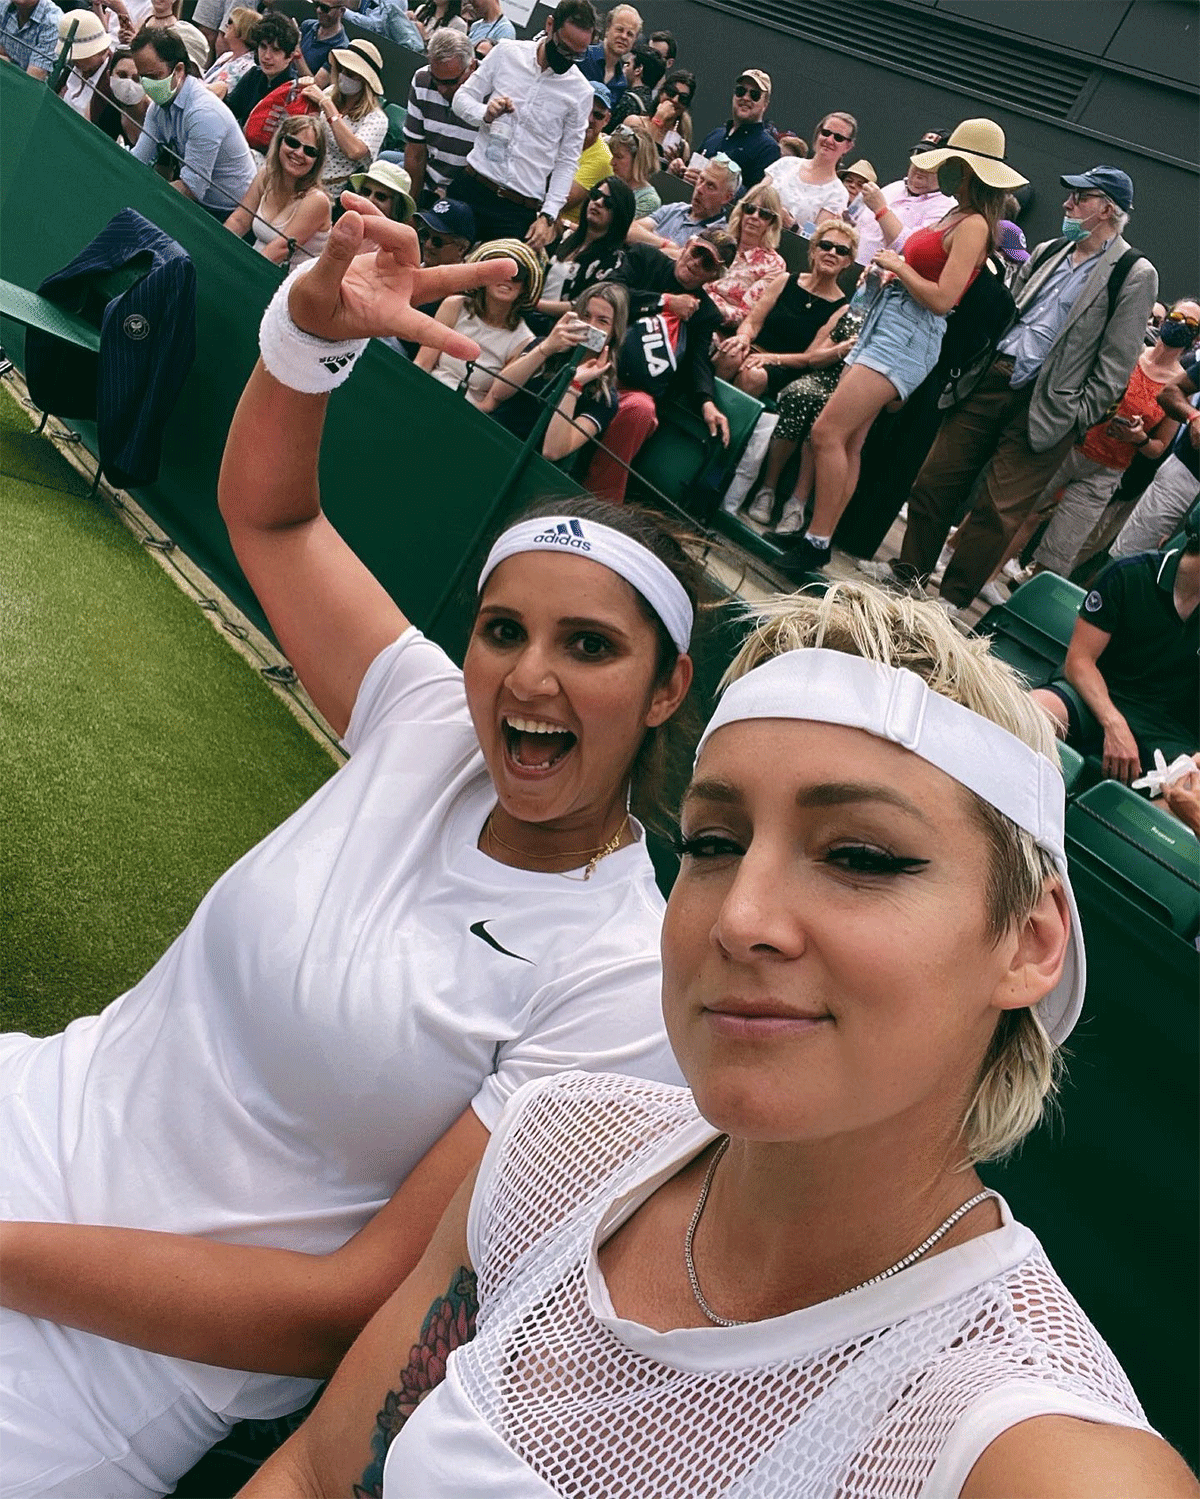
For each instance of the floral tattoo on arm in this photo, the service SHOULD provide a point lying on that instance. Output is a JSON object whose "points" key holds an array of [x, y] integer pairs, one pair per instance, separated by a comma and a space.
{"points": [[449, 1322]]}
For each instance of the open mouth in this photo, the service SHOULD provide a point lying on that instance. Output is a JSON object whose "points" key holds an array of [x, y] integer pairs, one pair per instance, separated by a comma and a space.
{"points": [[536, 744]]}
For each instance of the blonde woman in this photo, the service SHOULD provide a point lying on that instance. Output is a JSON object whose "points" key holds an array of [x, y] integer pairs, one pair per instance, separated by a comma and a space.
{"points": [[235, 56], [285, 205], [755, 225], [786, 1278], [635, 161], [352, 118], [589, 402], [491, 317]]}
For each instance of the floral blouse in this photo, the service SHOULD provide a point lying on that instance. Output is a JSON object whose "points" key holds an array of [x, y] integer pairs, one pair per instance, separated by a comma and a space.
{"points": [[734, 293]]}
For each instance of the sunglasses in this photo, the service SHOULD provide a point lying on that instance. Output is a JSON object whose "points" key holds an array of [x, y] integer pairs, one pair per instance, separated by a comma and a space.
{"points": [[323, 10], [601, 195], [375, 194], [566, 52], [293, 143], [675, 92], [441, 83], [600, 114], [1078, 198], [706, 259], [436, 241], [835, 135], [1180, 317], [831, 248], [748, 91], [756, 210]]}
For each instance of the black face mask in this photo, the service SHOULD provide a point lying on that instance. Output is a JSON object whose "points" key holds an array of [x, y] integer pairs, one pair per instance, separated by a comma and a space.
{"points": [[557, 61], [1176, 335]]}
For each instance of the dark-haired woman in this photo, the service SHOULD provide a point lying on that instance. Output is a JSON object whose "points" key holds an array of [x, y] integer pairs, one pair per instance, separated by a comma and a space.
{"points": [[902, 336], [466, 905], [435, 14], [592, 251], [671, 122], [119, 102]]}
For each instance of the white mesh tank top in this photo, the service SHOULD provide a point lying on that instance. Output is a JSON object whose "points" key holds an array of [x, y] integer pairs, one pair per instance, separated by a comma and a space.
{"points": [[891, 1392]]}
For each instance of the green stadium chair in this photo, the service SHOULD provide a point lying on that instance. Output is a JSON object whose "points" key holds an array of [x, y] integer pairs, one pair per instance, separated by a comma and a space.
{"points": [[1033, 629], [394, 139], [1139, 849], [1071, 763], [33, 311], [684, 463]]}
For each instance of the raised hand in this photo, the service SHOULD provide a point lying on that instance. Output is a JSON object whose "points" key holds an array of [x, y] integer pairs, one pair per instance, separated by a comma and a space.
{"points": [[369, 282]]}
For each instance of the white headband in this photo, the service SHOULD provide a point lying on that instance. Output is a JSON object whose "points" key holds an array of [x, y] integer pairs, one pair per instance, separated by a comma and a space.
{"points": [[895, 704], [629, 559]]}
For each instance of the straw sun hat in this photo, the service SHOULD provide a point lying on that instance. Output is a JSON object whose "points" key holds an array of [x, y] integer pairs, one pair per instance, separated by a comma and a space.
{"points": [[980, 143], [362, 58]]}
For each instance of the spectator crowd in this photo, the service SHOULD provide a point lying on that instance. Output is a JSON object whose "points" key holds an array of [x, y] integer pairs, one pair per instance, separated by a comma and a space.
{"points": [[1068, 427]]}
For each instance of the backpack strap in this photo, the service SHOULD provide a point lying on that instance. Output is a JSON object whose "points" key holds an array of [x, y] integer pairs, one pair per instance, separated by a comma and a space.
{"points": [[1119, 272]]}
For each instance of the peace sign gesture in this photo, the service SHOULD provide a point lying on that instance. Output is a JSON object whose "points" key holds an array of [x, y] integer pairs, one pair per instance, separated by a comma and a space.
{"points": [[369, 283]]}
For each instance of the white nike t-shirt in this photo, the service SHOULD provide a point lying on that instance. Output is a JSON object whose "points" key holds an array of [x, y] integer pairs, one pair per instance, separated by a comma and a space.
{"points": [[341, 995]]}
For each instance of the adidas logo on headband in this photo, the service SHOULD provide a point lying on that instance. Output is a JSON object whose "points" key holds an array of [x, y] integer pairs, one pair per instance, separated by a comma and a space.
{"points": [[565, 534]]}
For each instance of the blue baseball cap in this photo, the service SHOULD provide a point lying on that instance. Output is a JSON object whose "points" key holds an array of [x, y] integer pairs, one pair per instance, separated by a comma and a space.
{"points": [[601, 92], [449, 216], [1111, 181]]}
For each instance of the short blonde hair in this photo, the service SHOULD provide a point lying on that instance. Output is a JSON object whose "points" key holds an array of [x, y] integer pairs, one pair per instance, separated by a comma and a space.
{"points": [[1021, 1071], [765, 193], [621, 10], [835, 226]]}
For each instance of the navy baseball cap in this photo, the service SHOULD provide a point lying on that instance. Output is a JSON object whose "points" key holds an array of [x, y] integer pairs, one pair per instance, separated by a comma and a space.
{"points": [[449, 216], [1111, 181], [601, 92]]}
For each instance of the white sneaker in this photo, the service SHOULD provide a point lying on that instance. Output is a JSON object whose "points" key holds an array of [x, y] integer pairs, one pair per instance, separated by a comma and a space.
{"points": [[792, 519], [881, 572], [761, 507], [1013, 569], [992, 593], [951, 611], [902, 513]]}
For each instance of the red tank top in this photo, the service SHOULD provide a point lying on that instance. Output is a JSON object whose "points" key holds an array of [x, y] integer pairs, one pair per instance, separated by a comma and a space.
{"points": [[925, 251]]}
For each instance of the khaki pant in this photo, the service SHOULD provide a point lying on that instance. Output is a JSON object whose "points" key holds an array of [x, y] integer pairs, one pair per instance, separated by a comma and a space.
{"points": [[989, 435]]}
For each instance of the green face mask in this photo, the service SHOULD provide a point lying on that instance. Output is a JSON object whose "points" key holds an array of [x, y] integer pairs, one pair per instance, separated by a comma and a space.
{"points": [[159, 90], [949, 176]]}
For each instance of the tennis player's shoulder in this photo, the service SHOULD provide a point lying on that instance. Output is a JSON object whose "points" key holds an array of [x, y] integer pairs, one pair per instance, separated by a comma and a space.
{"points": [[1060, 1457]]}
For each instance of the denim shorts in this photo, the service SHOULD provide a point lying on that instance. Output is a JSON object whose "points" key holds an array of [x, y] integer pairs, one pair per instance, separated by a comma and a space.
{"points": [[901, 340]]}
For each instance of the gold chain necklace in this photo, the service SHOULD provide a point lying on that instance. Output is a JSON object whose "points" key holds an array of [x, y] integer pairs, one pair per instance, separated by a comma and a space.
{"points": [[593, 855]]}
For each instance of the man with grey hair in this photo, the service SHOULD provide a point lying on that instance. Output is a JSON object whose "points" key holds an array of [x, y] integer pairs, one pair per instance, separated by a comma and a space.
{"points": [[1082, 304], [436, 141], [670, 227]]}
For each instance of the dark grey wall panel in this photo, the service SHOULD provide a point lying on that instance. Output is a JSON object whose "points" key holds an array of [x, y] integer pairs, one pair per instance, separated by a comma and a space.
{"points": [[1085, 28], [893, 108], [1161, 36]]}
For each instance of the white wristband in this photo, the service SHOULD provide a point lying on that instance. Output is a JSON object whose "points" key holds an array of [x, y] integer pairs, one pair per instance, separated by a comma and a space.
{"points": [[301, 360]]}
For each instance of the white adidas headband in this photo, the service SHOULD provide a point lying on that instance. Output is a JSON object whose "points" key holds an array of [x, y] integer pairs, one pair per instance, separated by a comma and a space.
{"points": [[831, 687], [569, 536]]}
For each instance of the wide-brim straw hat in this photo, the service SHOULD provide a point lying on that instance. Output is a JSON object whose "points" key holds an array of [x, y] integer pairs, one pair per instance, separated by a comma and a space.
{"points": [[980, 143], [527, 258], [362, 58]]}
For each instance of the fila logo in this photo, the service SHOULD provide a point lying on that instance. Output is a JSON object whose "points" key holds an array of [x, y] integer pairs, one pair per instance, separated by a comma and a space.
{"points": [[565, 534], [656, 346], [334, 363]]}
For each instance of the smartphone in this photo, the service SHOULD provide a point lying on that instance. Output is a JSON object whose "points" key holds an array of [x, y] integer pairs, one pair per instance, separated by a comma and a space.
{"points": [[594, 338]]}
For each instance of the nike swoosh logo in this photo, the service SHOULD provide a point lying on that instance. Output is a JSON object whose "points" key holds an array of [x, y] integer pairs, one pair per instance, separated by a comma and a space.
{"points": [[479, 929]]}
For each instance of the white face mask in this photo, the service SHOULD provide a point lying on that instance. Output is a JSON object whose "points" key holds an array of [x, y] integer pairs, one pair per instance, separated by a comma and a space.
{"points": [[350, 86], [127, 90]]}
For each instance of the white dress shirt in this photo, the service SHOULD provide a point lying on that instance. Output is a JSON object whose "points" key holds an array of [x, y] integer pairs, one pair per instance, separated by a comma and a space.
{"points": [[915, 211], [534, 150]]}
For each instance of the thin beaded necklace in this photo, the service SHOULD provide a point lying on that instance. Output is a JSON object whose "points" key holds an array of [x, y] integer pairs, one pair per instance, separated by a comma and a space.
{"points": [[596, 854], [923, 1248]]}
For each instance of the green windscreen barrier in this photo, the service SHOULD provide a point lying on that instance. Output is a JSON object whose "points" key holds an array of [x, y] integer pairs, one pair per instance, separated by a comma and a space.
{"points": [[408, 469]]}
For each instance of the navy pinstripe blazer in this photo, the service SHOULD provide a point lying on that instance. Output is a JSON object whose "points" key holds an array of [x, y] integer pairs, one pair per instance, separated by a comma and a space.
{"points": [[139, 286]]}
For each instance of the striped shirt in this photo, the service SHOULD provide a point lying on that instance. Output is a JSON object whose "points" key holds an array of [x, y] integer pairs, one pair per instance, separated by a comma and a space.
{"points": [[430, 122]]}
